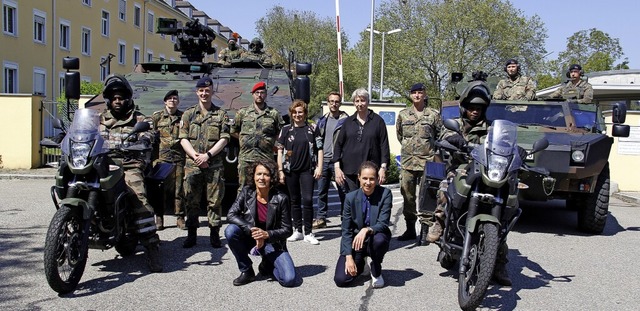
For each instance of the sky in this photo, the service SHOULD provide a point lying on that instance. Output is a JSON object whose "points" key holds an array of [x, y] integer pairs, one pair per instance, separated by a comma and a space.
{"points": [[561, 18]]}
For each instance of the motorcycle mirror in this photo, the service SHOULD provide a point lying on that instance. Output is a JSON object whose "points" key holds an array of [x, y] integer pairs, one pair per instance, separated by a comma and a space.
{"points": [[453, 125], [539, 145], [141, 127]]}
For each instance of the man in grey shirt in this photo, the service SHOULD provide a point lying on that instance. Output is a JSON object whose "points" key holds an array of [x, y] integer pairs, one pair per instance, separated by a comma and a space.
{"points": [[329, 126]]}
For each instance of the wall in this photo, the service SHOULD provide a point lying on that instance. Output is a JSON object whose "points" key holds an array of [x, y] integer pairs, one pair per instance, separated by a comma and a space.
{"points": [[20, 131], [625, 154]]}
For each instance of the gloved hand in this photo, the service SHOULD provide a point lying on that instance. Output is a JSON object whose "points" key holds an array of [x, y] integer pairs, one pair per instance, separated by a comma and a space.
{"points": [[456, 140]]}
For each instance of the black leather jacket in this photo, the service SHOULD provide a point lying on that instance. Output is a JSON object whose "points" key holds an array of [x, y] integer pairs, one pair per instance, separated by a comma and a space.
{"points": [[243, 213]]}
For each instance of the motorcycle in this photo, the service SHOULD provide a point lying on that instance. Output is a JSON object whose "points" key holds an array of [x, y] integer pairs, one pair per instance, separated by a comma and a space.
{"points": [[90, 196], [481, 205]]}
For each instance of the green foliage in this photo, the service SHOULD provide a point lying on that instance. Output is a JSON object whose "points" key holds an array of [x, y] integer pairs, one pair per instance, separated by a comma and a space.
{"points": [[86, 88], [547, 80], [594, 49], [393, 172]]}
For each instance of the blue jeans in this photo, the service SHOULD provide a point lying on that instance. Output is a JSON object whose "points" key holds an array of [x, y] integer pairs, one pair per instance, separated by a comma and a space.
{"points": [[241, 243], [328, 172]]}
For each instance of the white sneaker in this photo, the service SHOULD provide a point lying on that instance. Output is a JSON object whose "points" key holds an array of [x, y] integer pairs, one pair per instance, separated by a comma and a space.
{"points": [[377, 282], [311, 238], [296, 236]]}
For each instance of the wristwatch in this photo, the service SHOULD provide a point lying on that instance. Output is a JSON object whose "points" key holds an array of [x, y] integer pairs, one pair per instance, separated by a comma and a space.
{"points": [[209, 154]]}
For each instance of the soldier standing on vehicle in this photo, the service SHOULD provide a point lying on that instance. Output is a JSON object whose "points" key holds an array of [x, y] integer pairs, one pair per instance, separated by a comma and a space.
{"points": [[232, 51], [256, 53], [204, 132], [575, 87], [256, 127], [417, 128], [516, 86], [115, 124], [167, 124], [474, 127], [329, 126]]}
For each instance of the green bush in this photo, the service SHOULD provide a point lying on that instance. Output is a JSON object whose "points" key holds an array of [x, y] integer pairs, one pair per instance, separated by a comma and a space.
{"points": [[393, 173]]}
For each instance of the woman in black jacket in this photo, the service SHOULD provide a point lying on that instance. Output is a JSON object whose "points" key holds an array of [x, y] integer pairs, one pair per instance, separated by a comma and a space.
{"points": [[261, 218]]}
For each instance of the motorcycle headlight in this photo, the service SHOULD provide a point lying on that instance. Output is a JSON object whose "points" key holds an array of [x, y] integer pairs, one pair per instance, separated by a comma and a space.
{"points": [[497, 167], [577, 156], [80, 154]]}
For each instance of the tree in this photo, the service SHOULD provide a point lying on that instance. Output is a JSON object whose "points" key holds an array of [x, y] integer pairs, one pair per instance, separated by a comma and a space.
{"points": [[594, 49], [312, 39], [443, 36]]}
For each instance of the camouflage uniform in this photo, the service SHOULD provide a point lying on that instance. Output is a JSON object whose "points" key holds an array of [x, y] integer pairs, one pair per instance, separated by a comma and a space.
{"points": [[170, 150], [113, 131], [261, 57], [258, 131], [203, 130], [522, 88], [583, 91], [417, 134], [226, 55]]}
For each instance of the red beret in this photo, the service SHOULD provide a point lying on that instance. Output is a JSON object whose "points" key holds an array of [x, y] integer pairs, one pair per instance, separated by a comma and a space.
{"points": [[259, 86]]}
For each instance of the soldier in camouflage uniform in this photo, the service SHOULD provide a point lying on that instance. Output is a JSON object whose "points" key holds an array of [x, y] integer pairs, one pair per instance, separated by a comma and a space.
{"points": [[575, 87], [516, 86], [231, 52], [257, 128], [115, 124], [256, 53], [417, 128], [473, 124], [204, 132], [167, 124]]}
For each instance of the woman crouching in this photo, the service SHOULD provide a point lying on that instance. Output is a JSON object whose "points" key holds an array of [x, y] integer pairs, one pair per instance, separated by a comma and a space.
{"points": [[260, 223], [365, 228]]}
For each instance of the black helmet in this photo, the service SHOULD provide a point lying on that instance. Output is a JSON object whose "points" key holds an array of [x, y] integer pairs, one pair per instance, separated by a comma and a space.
{"points": [[117, 84], [256, 45], [574, 67], [512, 61], [476, 93]]}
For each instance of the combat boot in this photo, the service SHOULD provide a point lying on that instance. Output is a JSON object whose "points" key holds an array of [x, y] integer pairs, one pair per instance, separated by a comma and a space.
{"points": [[435, 231], [153, 257], [424, 230], [500, 273], [214, 237], [159, 223], [410, 234], [192, 235], [180, 223]]}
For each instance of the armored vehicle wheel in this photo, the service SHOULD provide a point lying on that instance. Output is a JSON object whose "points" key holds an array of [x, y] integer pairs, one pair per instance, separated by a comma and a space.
{"points": [[594, 207], [474, 278], [65, 256], [127, 246]]}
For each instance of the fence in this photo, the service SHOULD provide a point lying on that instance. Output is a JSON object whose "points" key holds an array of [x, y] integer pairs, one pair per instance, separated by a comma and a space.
{"points": [[50, 136]]}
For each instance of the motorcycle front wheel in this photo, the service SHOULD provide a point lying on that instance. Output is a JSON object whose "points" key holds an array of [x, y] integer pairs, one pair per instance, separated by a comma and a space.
{"points": [[65, 256], [473, 282]]}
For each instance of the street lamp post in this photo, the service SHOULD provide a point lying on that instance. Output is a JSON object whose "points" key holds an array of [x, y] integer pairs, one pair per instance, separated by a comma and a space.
{"points": [[373, 5], [382, 56]]}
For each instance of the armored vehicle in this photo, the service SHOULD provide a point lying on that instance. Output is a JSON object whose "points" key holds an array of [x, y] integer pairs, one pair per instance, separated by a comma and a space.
{"points": [[577, 156], [231, 83]]}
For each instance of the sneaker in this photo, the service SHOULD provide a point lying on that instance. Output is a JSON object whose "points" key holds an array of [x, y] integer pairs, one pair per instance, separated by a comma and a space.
{"points": [[319, 223], [296, 236], [180, 223], [435, 231], [377, 282], [311, 238]]}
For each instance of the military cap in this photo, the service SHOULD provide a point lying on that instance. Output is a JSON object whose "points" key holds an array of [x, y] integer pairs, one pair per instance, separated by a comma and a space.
{"points": [[417, 87], [575, 67], [169, 94], [204, 82], [259, 86]]}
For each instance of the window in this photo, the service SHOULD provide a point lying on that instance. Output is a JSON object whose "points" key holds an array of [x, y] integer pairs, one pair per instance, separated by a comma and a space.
{"points": [[10, 77], [39, 20], [122, 47], [161, 57], [105, 23], [61, 82], [39, 78], [86, 41], [136, 15], [104, 72], [65, 42], [10, 17], [86, 2], [150, 22], [122, 10], [149, 56], [136, 55]]}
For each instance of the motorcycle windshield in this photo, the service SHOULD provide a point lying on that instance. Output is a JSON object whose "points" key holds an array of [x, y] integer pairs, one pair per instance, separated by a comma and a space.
{"points": [[501, 140], [85, 128]]}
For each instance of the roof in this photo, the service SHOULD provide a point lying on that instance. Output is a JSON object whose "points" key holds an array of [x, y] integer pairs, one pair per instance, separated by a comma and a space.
{"points": [[608, 83]]}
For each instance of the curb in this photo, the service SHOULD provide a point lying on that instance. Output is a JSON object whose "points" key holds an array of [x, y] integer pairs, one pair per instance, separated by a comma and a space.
{"points": [[25, 176], [626, 198]]}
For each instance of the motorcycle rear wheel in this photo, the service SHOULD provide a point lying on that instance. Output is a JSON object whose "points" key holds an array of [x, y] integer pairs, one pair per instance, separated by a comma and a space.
{"points": [[473, 282], [64, 255]]}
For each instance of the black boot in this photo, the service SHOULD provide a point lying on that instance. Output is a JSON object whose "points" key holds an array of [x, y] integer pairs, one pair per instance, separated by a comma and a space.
{"points": [[214, 237], [424, 230], [245, 278], [410, 234], [500, 272], [192, 235], [153, 257]]}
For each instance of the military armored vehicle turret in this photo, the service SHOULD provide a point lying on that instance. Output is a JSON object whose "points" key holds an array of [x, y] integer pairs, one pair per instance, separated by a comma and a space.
{"points": [[231, 84], [577, 156]]}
